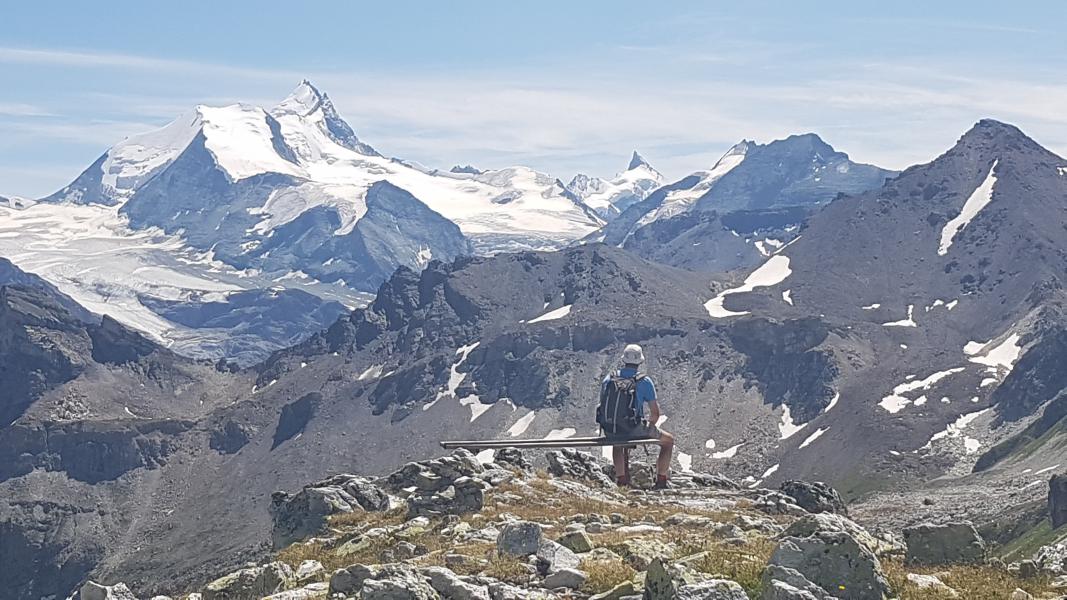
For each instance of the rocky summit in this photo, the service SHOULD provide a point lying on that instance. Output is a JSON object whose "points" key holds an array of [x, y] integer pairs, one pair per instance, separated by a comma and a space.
{"points": [[460, 527]]}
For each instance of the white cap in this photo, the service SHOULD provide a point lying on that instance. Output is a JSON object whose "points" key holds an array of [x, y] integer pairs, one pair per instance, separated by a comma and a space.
{"points": [[633, 355]]}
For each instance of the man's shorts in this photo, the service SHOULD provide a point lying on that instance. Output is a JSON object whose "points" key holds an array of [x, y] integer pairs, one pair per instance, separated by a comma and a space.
{"points": [[643, 431]]}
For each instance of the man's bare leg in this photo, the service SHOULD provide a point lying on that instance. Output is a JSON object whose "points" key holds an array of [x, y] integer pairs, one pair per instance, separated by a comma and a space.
{"points": [[666, 448], [618, 457]]}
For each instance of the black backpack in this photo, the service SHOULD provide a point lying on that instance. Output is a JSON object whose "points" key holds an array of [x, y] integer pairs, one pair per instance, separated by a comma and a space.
{"points": [[617, 412]]}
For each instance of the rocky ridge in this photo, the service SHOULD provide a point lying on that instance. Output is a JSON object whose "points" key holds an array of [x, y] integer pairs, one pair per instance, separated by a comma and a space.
{"points": [[493, 528]]}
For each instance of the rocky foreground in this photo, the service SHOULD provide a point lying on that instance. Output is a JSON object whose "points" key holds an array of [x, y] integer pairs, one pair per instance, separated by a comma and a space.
{"points": [[454, 528]]}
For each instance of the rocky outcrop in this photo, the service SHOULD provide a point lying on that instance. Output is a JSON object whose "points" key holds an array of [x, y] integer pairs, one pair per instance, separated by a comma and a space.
{"points": [[815, 497], [834, 562], [1057, 500], [299, 515], [95, 591], [251, 583], [577, 465], [949, 543]]}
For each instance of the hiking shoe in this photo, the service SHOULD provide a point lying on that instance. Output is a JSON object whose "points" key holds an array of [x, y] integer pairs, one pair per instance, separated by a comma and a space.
{"points": [[662, 484]]}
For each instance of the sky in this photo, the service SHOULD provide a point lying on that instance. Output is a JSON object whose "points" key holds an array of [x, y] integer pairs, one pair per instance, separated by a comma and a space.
{"points": [[562, 87]]}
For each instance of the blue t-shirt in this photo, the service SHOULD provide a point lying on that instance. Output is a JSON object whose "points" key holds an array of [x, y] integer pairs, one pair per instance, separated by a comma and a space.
{"points": [[646, 389]]}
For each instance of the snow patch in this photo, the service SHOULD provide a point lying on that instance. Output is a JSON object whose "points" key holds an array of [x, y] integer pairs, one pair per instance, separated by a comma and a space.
{"points": [[561, 434], [787, 427], [833, 402], [1047, 469], [814, 436], [1001, 357], [788, 297], [552, 315], [896, 401], [770, 273], [728, 453], [372, 372], [522, 424], [871, 306], [978, 200], [686, 461], [710, 444], [485, 456], [908, 322]]}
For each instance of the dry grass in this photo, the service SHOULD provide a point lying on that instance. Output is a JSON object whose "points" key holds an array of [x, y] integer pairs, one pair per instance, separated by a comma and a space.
{"points": [[743, 564], [508, 569], [368, 519], [605, 574], [981, 582]]}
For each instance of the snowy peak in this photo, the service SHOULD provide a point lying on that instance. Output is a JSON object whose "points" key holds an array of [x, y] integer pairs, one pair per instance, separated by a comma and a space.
{"points": [[307, 103], [637, 161]]}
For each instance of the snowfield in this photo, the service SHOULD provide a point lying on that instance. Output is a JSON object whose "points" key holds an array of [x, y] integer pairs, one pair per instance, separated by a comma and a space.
{"points": [[770, 273], [978, 200]]}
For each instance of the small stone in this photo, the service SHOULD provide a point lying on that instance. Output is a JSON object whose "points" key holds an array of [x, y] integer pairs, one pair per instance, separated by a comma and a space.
{"points": [[932, 583], [618, 592], [556, 557], [1020, 594]]}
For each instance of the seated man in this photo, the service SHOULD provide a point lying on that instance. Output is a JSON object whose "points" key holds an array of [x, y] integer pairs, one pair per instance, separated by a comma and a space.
{"points": [[622, 414]]}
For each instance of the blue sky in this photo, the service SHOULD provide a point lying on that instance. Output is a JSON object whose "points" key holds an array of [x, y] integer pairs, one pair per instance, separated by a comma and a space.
{"points": [[559, 86]]}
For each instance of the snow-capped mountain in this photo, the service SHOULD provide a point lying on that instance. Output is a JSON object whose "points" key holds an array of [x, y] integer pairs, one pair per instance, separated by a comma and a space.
{"points": [[610, 197], [305, 156], [752, 201], [236, 198]]}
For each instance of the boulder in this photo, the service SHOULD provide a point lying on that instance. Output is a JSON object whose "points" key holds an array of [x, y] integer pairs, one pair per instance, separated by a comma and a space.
{"points": [[1052, 559], [393, 583], [504, 591], [437, 474], [555, 557], [814, 497], [577, 541], [296, 516], [784, 583], [512, 457], [950, 543], [95, 591], [577, 465], [251, 583], [465, 495], [566, 578], [675, 581], [835, 562], [1057, 500], [931, 583], [810, 524], [308, 571], [451, 587], [519, 538], [349, 580], [640, 552]]}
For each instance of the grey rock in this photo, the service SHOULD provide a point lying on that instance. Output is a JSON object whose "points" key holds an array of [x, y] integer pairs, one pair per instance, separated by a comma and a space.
{"points": [[814, 497], [349, 580], [664, 579], [307, 571], [639, 553], [398, 586], [555, 557], [577, 465], [465, 495], [312, 591], [834, 561], [1052, 559], [296, 516], [512, 457], [811, 524], [1057, 500], [577, 541], [950, 543], [520, 538], [566, 578], [712, 589], [251, 583], [780, 590], [451, 587], [931, 583], [95, 591]]}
